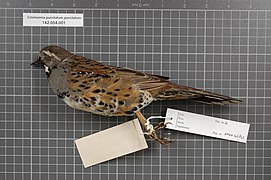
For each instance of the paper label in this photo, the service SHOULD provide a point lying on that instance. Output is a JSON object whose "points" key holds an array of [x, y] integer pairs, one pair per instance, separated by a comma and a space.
{"points": [[111, 143], [207, 126], [53, 19]]}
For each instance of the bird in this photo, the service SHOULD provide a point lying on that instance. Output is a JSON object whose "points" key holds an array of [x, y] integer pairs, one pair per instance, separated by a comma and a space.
{"points": [[91, 86]]}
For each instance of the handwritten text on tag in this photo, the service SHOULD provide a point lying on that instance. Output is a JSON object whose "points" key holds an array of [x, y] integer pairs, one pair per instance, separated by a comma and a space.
{"points": [[207, 126]]}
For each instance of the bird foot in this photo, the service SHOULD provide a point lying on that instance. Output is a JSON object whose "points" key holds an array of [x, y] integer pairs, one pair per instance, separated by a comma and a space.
{"points": [[151, 130], [161, 125]]}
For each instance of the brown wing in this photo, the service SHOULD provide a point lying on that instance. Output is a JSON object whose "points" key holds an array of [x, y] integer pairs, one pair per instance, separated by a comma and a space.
{"points": [[143, 80]]}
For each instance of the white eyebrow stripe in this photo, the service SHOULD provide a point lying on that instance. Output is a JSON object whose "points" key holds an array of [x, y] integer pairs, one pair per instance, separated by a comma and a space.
{"points": [[51, 54]]}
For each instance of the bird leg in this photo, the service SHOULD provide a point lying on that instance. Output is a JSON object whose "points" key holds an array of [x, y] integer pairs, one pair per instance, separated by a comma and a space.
{"points": [[151, 131], [161, 125]]}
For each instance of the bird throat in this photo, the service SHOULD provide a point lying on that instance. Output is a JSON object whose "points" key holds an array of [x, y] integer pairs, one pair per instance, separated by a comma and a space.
{"points": [[47, 70]]}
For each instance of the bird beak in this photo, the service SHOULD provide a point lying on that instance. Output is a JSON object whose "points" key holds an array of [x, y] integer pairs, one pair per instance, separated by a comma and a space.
{"points": [[37, 61]]}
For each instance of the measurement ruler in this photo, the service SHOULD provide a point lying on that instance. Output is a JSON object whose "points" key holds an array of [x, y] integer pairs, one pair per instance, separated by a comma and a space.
{"points": [[141, 4]]}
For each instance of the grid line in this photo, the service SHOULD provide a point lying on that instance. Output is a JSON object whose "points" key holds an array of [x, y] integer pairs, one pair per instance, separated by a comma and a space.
{"points": [[225, 51]]}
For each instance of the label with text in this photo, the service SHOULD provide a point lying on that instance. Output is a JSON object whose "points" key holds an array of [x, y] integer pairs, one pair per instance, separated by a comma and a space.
{"points": [[206, 125], [53, 19]]}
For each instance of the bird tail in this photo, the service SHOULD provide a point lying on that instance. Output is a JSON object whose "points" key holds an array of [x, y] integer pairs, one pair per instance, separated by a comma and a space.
{"points": [[173, 91]]}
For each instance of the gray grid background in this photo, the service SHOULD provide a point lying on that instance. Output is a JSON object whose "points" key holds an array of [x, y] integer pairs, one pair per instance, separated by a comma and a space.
{"points": [[224, 51]]}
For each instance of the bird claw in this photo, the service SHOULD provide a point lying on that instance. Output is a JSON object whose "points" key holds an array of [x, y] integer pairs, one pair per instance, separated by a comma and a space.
{"points": [[161, 125], [151, 130], [155, 137]]}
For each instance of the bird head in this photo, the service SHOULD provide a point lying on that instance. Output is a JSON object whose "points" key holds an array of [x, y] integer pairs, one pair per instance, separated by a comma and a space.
{"points": [[51, 56]]}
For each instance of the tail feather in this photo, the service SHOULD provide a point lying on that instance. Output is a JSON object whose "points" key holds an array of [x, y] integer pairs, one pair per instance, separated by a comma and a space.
{"points": [[217, 101], [173, 91]]}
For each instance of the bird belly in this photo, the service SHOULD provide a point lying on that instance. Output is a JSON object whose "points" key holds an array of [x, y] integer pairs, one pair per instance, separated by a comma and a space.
{"points": [[116, 107], [84, 107]]}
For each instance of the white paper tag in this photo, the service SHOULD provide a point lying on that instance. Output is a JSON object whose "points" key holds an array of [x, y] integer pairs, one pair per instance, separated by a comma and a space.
{"points": [[53, 19], [111, 143], [206, 125]]}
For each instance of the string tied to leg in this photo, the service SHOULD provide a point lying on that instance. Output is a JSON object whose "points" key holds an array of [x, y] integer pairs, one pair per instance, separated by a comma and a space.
{"points": [[149, 127]]}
